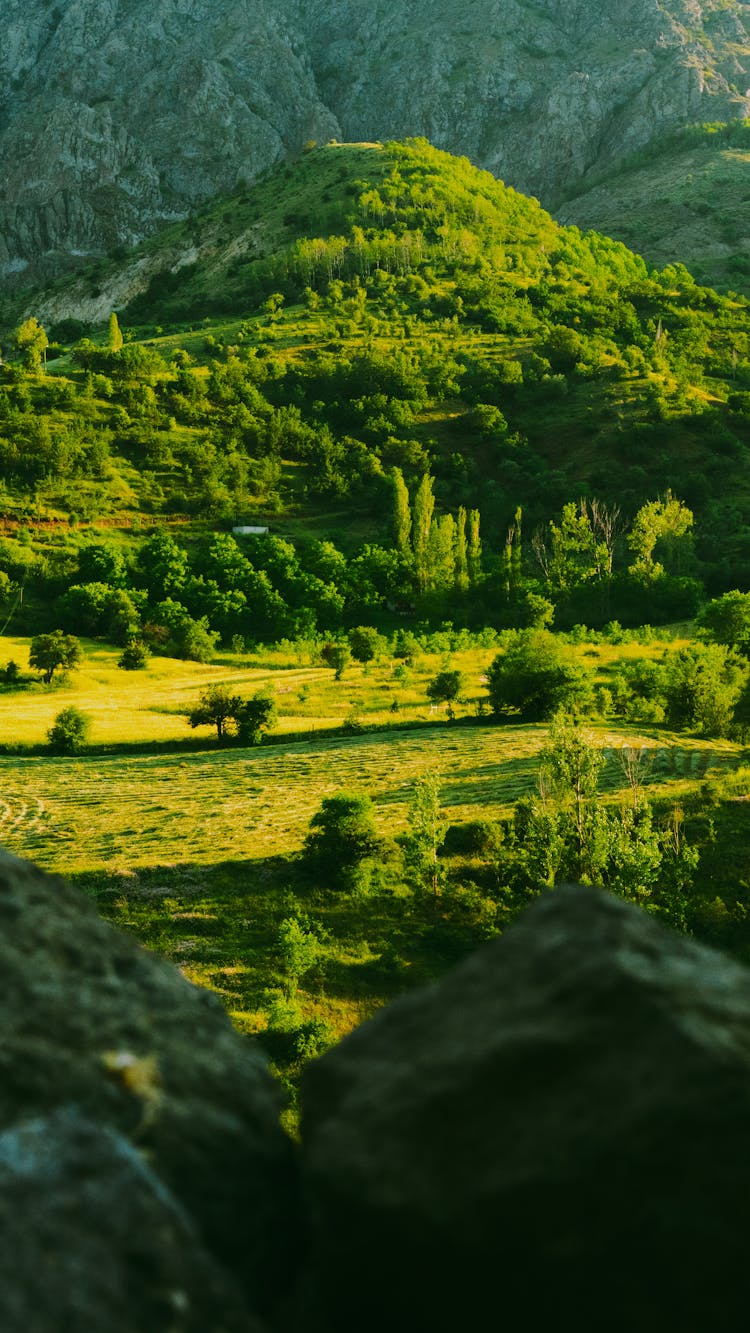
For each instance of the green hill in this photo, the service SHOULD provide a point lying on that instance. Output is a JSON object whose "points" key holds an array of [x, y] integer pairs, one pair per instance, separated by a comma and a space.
{"points": [[685, 198], [377, 308]]}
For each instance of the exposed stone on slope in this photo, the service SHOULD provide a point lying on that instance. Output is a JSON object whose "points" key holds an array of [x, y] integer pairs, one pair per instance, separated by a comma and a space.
{"points": [[116, 117], [92, 1241], [88, 1018], [119, 117], [539, 94], [556, 1133]]}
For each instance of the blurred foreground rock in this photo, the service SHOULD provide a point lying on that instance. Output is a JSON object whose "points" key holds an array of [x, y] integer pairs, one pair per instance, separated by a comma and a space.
{"points": [[554, 1136], [557, 1133], [92, 1241], [90, 1020]]}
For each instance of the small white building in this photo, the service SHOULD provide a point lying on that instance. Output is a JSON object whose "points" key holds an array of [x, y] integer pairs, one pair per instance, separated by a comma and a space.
{"points": [[243, 531]]}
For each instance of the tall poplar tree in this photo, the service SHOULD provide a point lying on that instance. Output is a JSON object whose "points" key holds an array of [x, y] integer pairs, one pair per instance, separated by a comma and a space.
{"points": [[460, 559], [114, 334], [401, 514], [424, 507], [474, 551], [441, 552]]}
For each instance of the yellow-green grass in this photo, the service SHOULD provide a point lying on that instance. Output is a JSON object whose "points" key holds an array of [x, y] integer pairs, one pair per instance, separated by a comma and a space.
{"points": [[150, 706], [179, 850], [128, 811], [179, 847]]}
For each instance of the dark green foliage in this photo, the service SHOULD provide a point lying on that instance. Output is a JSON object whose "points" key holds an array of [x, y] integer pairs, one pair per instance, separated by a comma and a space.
{"points": [[97, 609], [256, 716], [342, 836], [135, 656], [424, 838], [337, 656], [232, 714], [69, 732], [216, 707], [726, 620], [534, 678], [365, 643], [445, 687], [51, 652], [99, 562], [701, 686]]}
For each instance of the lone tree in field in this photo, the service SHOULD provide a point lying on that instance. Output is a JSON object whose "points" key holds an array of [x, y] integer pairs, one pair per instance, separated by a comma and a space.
{"points": [[444, 688], [69, 731], [256, 716], [342, 835], [232, 715], [337, 656], [534, 678], [49, 652], [215, 708]]}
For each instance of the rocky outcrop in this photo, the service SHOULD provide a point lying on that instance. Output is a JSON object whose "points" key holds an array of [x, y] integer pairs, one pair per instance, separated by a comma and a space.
{"points": [[91, 1240], [116, 117], [90, 1021], [556, 1133], [552, 1136], [119, 117]]}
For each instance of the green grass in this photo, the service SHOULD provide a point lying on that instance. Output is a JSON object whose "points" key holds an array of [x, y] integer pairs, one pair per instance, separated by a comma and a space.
{"points": [[203, 803], [195, 852], [688, 206]]}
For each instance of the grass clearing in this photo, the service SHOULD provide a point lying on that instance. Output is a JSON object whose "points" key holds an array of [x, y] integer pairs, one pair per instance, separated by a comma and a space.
{"points": [[121, 813], [193, 851]]}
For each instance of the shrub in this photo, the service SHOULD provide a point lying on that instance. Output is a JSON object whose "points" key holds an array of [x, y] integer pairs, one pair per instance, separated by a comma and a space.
{"points": [[134, 656], [70, 731], [533, 679], [342, 835]]}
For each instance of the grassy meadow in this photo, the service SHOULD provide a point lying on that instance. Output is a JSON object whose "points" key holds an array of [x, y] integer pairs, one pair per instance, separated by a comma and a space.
{"points": [[151, 791], [190, 845]]}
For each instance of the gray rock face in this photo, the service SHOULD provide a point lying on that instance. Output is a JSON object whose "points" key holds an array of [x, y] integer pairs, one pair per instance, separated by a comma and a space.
{"points": [[92, 1241], [556, 1133], [118, 115], [89, 1019]]}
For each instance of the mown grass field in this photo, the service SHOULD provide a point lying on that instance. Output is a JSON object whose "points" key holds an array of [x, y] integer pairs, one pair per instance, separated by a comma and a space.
{"points": [[125, 812], [205, 803], [193, 850]]}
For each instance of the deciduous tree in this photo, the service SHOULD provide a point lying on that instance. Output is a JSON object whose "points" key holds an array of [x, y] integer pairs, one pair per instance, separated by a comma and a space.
{"points": [[50, 652]]}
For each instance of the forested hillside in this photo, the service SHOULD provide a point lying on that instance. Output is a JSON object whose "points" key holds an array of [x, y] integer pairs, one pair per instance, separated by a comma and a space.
{"points": [[442, 404]]}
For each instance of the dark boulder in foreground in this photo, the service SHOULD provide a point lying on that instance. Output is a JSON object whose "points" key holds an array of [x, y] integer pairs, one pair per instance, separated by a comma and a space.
{"points": [[558, 1134], [93, 1243], [91, 1020]]}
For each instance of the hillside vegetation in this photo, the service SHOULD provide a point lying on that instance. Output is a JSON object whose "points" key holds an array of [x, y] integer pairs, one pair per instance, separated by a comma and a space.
{"points": [[684, 199], [378, 313], [318, 761]]}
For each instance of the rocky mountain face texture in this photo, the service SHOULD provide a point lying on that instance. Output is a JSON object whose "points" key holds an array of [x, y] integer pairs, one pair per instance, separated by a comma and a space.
{"points": [[118, 115], [555, 1133]]}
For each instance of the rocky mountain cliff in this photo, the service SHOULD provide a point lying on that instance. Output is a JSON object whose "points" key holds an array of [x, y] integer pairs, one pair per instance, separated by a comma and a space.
{"points": [[118, 115]]}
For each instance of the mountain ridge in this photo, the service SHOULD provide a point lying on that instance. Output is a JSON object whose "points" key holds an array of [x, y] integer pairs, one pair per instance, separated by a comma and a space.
{"points": [[118, 118]]}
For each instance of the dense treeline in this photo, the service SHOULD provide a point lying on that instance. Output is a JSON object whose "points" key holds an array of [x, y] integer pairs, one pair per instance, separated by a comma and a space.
{"points": [[441, 358]]}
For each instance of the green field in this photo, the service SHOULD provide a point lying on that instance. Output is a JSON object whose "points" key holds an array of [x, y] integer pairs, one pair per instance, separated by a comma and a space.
{"points": [[121, 813], [192, 846], [188, 800]]}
